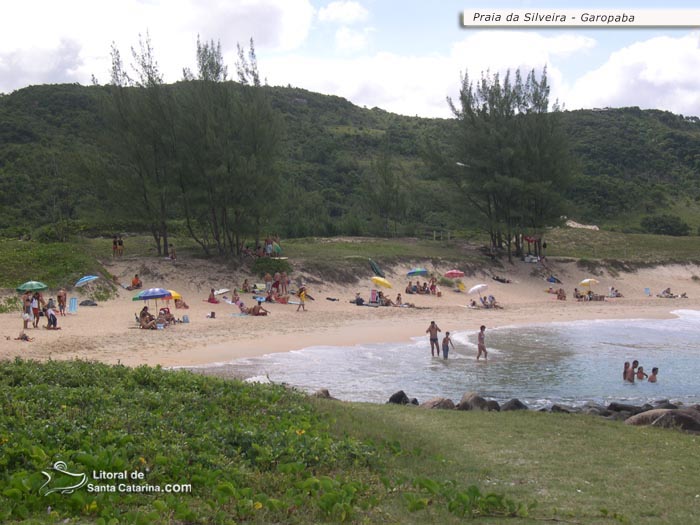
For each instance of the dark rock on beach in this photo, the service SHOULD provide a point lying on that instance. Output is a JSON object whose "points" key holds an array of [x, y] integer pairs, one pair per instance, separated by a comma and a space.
{"points": [[472, 401], [324, 394], [666, 405], [399, 398], [564, 409], [513, 404], [621, 407], [414, 401], [682, 418], [493, 406], [439, 402]]}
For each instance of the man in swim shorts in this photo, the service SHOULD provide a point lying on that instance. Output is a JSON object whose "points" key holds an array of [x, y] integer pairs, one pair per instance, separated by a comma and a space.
{"points": [[433, 330], [482, 344]]}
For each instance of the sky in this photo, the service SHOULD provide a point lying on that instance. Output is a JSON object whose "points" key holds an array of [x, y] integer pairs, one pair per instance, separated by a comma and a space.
{"points": [[404, 56]]}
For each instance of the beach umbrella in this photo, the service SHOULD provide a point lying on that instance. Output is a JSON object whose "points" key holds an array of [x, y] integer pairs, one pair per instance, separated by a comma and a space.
{"points": [[453, 274], [588, 282], [174, 295], [417, 271], [31, 286], [377, 271], [478, 288], [152, 293], [84, 280], [380, 281]]}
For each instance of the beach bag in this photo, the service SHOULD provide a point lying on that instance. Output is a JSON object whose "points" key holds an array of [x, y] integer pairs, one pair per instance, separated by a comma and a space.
{"points": [[185, 318]]}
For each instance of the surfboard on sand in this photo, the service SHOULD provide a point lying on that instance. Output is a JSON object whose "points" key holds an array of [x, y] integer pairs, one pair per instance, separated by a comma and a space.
{"points": [[221, 291]]}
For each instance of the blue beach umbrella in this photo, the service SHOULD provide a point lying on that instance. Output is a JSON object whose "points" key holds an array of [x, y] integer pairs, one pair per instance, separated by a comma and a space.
{"points": [[84, 280], [152, 293], [415, 272]]}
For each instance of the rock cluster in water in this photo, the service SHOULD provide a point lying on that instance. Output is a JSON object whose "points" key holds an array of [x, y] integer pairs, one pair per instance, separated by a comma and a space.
{"points": [[660, 414]]}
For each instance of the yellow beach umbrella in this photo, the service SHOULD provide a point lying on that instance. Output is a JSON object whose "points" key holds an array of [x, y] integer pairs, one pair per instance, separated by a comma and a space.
{"points": [[380, 281], [588, 282], [174, 295]]}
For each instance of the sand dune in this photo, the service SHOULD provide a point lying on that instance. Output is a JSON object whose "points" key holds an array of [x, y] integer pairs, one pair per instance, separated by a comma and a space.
{"points": [[109, 334]]}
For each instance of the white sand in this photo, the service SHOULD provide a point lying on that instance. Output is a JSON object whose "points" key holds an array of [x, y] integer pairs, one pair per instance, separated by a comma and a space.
{"points": [[109, 334]]}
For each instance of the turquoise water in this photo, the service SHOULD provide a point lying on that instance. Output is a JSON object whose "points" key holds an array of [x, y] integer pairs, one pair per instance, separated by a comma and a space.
{"points": [[540, 364]]}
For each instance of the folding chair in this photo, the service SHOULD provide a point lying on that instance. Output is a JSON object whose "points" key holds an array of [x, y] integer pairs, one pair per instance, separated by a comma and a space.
{"points": [[73, 305]]}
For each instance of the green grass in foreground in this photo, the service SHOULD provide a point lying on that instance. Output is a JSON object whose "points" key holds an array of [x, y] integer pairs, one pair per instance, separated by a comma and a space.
{"points": [[264, 454], [579, 469]]}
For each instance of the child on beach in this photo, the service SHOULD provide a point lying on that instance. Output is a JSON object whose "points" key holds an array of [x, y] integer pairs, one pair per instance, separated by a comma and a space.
{"points": [[302, 299], [446, 342], [652, 377]]}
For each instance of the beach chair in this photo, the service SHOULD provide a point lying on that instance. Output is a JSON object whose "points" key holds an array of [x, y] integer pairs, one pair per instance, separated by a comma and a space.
{"points": [[73, 305], [647, 292], [373, 297]]}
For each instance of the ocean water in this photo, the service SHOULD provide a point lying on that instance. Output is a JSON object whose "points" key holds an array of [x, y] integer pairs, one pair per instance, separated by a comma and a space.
{"points": [[542, 364]]}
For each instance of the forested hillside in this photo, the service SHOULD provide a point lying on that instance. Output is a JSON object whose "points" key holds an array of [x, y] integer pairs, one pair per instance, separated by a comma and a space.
{"points": [[57, 167]]}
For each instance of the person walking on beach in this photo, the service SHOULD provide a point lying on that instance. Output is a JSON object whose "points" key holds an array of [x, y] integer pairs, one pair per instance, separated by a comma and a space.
{"points": [[433, 330], [120, 246], [302, 299], [446, 342], [482, 344]]}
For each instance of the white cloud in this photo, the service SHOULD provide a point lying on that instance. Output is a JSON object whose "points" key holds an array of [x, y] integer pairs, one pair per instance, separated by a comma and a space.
{"points": [[658, 73], [44, 41], [350, 40], [500, 50], [419, 84], [343, 12]]}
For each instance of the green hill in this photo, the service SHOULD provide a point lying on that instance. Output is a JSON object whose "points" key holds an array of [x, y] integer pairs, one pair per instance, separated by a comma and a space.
{"points": [[56, 164]]}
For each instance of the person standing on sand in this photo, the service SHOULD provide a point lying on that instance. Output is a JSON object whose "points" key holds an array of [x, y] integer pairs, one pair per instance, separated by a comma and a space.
{"points": [[114, 247], [302, 299], [62, 297], [482, 344], [446, 342], [433, 330], [120, 246]]}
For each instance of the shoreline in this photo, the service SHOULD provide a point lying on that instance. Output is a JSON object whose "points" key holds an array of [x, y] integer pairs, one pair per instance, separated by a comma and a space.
{"points": [[107, 333]]}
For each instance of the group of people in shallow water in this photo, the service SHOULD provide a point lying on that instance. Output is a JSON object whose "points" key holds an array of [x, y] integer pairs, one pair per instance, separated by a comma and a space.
{"points": [[634, 371], [434, 329]]}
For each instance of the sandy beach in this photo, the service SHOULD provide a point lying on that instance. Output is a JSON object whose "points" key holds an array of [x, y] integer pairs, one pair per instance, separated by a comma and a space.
{"points": [[108, 332]]}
